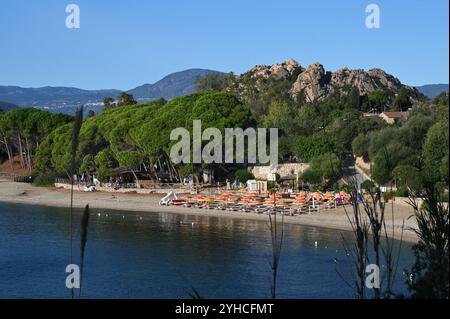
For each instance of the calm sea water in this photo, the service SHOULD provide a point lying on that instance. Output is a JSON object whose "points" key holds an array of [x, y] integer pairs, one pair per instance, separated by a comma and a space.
{"points": [[136, 255]]}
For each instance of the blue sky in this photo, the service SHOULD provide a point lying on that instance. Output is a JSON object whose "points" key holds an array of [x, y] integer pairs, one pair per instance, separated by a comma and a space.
{"points": [[123, 44]]}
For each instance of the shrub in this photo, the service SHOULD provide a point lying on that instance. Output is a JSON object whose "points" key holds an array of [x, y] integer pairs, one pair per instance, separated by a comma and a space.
{"points": [[243, 175], [44, 181]]}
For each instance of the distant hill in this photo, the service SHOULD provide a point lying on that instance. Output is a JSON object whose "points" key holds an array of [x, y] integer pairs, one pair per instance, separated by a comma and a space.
{"points": [[171, 86], [432, 90], [5, 106], [68, 99], [61, 99]]}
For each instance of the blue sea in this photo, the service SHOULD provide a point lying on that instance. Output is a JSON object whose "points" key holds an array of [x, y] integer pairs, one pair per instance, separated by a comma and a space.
{"points": [[148, 255]]}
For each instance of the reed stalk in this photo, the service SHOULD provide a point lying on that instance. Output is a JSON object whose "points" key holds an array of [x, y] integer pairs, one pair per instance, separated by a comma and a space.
{"points": [[83, 241], [74, 146]]}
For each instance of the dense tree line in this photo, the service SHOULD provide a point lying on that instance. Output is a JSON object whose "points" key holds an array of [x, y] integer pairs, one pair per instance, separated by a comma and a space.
{"points": [[137, 137], [411, 152], [23, 130]]}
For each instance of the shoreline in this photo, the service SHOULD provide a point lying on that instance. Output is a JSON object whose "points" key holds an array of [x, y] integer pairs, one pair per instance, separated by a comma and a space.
{"points": [[19, 193]]}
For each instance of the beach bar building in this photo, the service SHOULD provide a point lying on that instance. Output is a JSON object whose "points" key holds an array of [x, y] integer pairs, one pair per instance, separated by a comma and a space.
{"points": [[287, 173]]}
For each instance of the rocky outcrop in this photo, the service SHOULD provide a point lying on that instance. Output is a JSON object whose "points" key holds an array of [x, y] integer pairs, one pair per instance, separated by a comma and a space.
{"points": [[315, 83], [281, 71]]}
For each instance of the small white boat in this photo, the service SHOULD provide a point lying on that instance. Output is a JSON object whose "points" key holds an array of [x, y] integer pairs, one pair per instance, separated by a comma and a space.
{"points": [[168, 198]]}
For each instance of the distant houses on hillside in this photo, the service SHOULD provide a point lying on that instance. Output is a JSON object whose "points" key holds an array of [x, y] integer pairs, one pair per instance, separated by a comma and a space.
{"points": [[392, 117]]}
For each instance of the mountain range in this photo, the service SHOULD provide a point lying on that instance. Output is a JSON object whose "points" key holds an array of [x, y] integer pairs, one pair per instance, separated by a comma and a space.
{"points": [[432, 90], [67, 99], [58, 99], [312, 82]]}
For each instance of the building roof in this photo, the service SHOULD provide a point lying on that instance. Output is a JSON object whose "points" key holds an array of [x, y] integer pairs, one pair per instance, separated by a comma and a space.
{"points": [[394, 115]]}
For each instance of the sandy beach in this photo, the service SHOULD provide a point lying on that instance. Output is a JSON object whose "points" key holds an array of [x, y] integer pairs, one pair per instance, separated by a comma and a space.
{"points": [[335, 218]]}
